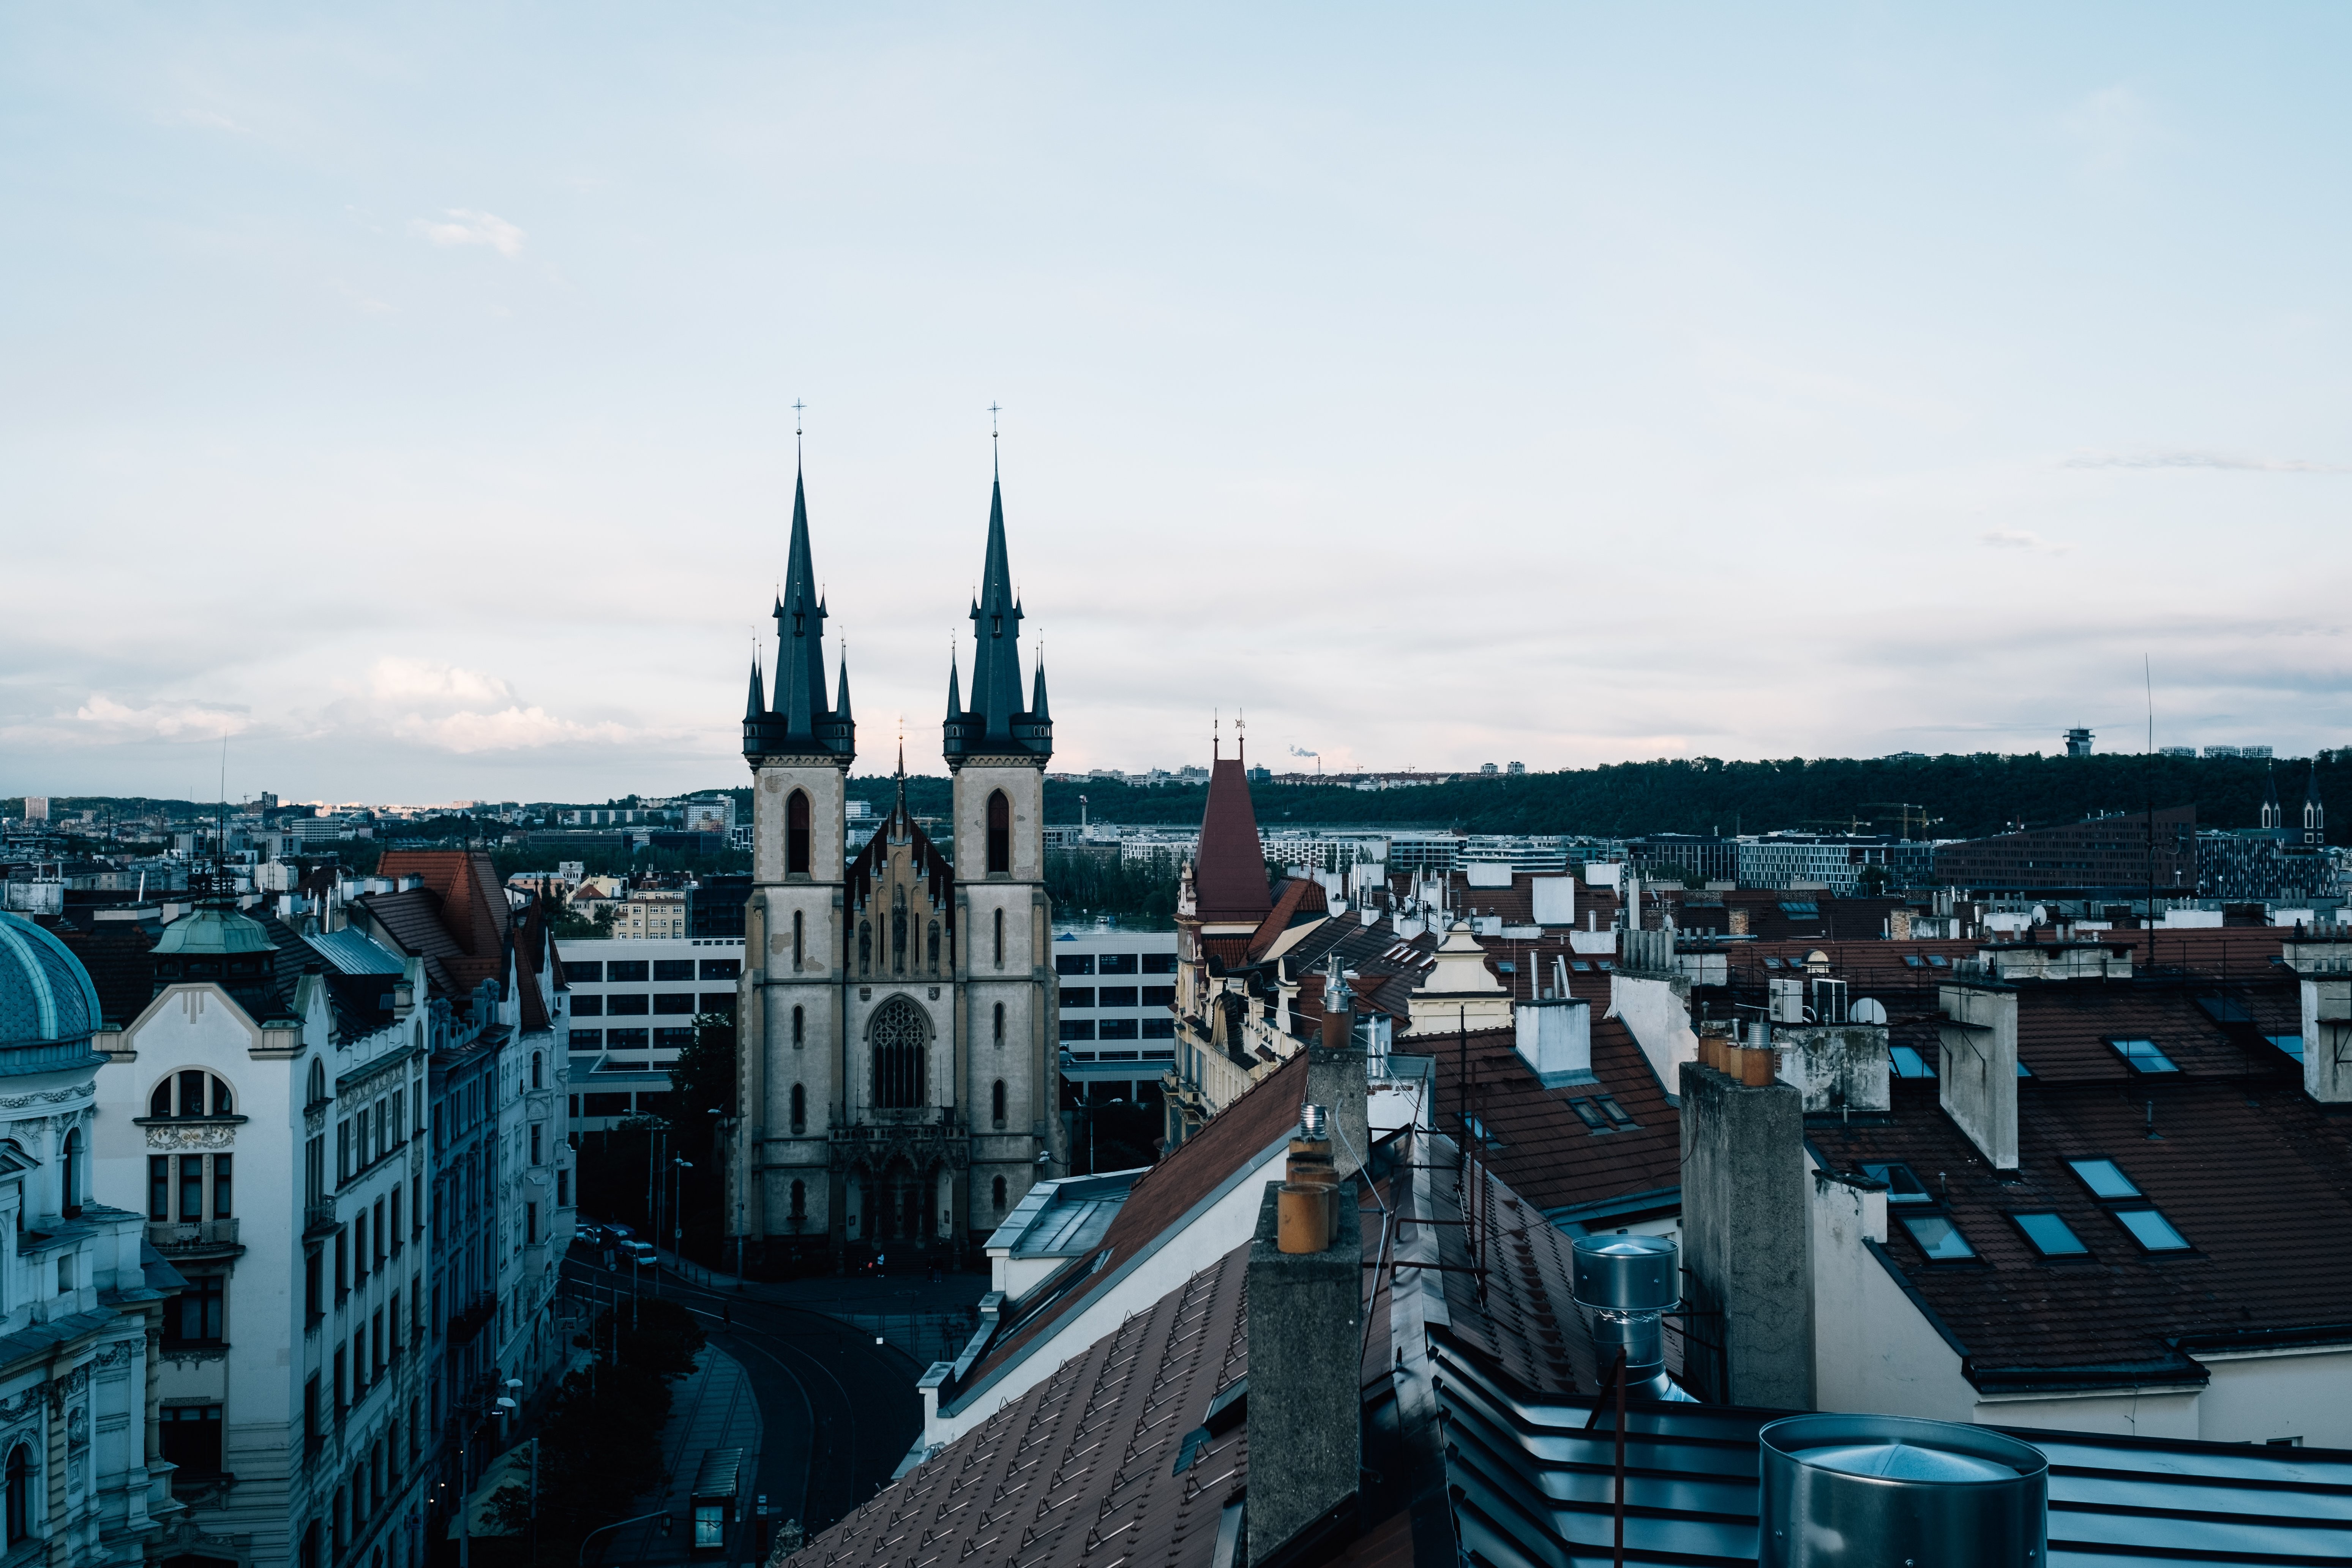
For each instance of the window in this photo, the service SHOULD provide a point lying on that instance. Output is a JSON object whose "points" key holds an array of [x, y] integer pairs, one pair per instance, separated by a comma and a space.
{"points": [[1913, 960], [1160, 1029], [800, 1200], [159, 1186], [722, 969], [1590, 1115], [800, 1027], [538, 1077], [20, 1492], [2290, 1044], [66, 1274], [1902, 1186], [2105, 1178], [585, 1007], [2143, 1057], [1938, 1237], [999, 1036], [673, 969], [1772, 963], [1118, 1029], [69, 1176], [1000, 939], [530, 1225], [1157, 996], [2151, 1230], [1618, 1115], [2050, 1236], [633, 1005], [1000, 833], [716, 1002], [194, 1316], [585, 974], [341, 1398], [396, 1235], [996, 1103], [1074, 963], [1078, 997], [318, 1081], [538, 1154], [796, 833], [1116, 964], [1909, 1063], [1159, 963], [562, 1189], [195, 1093], [314, 1295], [800, 1109], [1117, 996], [1077, 1029], [621, 971], [898, 1038], [681, 1002], [997, 1191], [192, 1437], [221, 1186]]}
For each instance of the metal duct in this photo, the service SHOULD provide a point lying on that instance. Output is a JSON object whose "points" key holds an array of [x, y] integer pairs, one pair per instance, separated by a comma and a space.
{"points": [[1846, 1492], [1626, 1282]]}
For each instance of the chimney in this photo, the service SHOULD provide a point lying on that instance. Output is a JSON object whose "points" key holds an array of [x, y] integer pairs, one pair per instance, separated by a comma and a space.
{"points": [[1977, 1078], [1746, 1227], [1306, 1327], [2326, 971], [1555, 1038], [1336, 1078]]}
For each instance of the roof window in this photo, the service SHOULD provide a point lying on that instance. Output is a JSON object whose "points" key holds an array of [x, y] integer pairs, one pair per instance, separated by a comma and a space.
{"points": [[2151, 1230], [1617, 1114], [1771, 961], [2143, 1055], [1937, 961], [1902, 1186], [1909, 1063], [1938, 1237], [1913, 960], [2050, 1236], [2290, 1044], [1801, 909], [1579, 965], [2105, 1178], [2022, 1071], [1587, 1113]]}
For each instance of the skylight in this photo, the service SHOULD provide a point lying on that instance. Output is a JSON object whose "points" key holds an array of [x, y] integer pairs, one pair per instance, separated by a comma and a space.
{"points": [[1772, 963], [1937, 961], [2105, 1178], [2050, 1236], [1801, 909], [2143, 1055], [2022, 1071], [1616, 1113], [1586, 1113], [1938, 1237], [1902, 1186], [1909, 1063], [1913, 960], [1579, 965], [2152, 1230], [2290, 1044]]}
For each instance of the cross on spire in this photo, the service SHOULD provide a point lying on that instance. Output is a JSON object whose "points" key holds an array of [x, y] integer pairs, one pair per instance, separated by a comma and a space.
{"points": [[797, 407], [995, 459]]}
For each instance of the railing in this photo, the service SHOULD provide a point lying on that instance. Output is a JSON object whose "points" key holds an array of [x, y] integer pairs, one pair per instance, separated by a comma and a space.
{"points": [[192, 1235], [319, 1218], [469, 1320]]}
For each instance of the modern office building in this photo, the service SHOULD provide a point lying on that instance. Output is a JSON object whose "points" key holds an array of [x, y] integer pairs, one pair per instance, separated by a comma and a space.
{"points": [[634, 1004]]}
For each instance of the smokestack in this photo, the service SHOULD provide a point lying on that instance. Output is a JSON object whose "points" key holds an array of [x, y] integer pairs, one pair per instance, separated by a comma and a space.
{"points": [[1846, 1492], [1305, 1409]]}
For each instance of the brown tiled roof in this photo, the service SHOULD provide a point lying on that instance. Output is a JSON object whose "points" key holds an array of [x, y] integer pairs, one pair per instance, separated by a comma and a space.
{"points": [[1302, 899], [1230, 1142], [1229, 875], [2247, 1169], [460, 921]]}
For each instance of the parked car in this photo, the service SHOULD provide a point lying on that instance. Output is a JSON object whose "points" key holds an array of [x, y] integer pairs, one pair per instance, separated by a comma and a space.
{"points": [[637, 1252]]}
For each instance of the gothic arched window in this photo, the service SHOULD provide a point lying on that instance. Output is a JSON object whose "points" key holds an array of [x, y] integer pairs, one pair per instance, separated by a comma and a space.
{"points": [[996, 1103], [1000, 833], [796, 833], [800, 1109], [935, 944], [1000, 1025], [318, 1077], [800, 1199], [800, 930], [898, 929], [20, 1492], [1000, 939], [899, 1036], [800, 1027], [999, 1194], [536, 1077], [865, 945]]}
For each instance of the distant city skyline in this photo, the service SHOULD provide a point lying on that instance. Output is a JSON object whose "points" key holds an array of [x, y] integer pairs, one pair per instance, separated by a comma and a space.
{"points": [[408, 394]]}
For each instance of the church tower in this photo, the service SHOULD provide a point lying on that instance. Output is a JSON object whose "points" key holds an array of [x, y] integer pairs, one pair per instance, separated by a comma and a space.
{"points": [[996, 751], [793, 1075], [2314, 816]]}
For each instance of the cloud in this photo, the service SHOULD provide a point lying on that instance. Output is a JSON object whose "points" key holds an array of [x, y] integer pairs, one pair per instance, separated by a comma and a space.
{"points": [[2182, 459], [469, 227], [512, 728], [416, 680], [2018, 539], [168, 720]]}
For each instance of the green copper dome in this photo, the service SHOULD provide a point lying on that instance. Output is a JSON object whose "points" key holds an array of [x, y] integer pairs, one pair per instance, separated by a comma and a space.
{"points": [[211, 933], [45, 996]]}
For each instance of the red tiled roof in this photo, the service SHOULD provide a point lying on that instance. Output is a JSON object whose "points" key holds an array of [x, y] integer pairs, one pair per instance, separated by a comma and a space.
{"points": [[1229, 876], [1302, 899]]}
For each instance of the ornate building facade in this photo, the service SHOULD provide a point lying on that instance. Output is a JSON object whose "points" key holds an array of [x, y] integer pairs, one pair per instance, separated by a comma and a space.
{"points": [[899, 1069]]}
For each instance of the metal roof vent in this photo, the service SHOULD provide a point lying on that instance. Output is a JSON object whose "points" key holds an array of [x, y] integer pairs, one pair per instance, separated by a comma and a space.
{"points": [[1843, 1492], [1312, 1119], [1627, 1282]]}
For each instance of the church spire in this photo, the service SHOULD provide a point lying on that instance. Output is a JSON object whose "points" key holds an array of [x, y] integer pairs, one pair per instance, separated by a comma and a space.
{"points": [[800, 722], [840, 703], [2314, 816], [2272, 816], [757, 706], [1038, 711], [996, 725]]}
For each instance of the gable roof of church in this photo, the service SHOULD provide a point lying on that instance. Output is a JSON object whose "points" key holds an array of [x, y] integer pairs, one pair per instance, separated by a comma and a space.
{"points": [[928, 861]]}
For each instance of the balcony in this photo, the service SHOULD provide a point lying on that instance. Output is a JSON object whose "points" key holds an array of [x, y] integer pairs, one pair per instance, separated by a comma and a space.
{"points": [[195, 1238], [319, 1219], [469, 1322]]}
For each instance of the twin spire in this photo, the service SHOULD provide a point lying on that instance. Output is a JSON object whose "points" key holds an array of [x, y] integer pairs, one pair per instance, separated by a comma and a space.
{"points": [[800, 723]]}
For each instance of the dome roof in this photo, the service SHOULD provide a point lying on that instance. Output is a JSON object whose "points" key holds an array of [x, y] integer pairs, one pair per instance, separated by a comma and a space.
{"points": [[45, 993], [211, 933]]}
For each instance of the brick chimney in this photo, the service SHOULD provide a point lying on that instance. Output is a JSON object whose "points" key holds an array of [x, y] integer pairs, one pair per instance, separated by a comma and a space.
{"points": [[1306, 1413]]}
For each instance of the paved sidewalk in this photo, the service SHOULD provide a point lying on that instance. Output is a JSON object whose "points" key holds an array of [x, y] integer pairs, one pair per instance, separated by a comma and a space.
{"points": [[711, 1407]]}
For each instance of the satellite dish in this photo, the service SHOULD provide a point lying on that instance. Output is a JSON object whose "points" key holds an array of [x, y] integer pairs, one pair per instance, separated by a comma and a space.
{"points": [[1869, 1010]]}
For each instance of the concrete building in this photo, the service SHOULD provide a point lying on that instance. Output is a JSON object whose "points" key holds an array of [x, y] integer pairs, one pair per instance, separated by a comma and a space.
{"points": [[633, 1006], [1838, 862], [898, 1010], [89, 1459]]}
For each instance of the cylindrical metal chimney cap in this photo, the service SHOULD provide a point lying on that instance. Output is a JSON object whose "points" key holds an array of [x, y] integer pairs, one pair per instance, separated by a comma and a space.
{"points": [[1842, 1491], [1626, 1273], [1312, 1119]]}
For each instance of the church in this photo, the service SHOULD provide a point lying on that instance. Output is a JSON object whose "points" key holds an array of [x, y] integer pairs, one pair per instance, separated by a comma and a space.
{"points": [[899, 1016]]}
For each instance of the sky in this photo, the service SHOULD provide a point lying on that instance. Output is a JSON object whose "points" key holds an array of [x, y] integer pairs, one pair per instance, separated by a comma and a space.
{"points": [[405, 394]]}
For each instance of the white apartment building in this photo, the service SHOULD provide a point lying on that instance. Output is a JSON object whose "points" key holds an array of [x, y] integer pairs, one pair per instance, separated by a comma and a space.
{"points": [[1118, 1023], [266, 1126], [650, 916]]}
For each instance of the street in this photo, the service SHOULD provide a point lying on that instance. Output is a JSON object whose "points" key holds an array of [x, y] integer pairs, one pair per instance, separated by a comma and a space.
{"points": [[838, 1410]]}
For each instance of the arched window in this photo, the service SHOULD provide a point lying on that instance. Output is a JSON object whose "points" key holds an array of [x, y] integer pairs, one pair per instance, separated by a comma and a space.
{"points": [[537, 1072], [935, 944], [800, 1109], [185, 1093], [865, 945], [20, 1492], [318, 1074], [70, 1175], [899, 1036], [996, 1103], [998, 1194], [1000, 833], [898, 929], [796, 833], [800, 1199], [1000, 939], [800, 1027], [800, 928], [1000, 1025]]}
